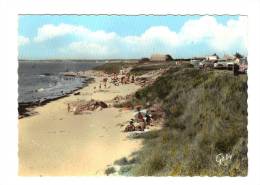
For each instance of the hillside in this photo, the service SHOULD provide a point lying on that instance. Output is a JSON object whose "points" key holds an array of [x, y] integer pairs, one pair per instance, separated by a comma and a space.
{"points": [[206, 115]]}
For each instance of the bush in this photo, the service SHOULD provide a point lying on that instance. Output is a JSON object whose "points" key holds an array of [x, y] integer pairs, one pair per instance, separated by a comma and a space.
{"points": [[110, 170], [125, 169], [122, 161]]}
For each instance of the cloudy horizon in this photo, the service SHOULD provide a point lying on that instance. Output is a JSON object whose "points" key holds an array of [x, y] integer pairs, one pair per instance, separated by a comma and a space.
{"points": [[110, 37]]}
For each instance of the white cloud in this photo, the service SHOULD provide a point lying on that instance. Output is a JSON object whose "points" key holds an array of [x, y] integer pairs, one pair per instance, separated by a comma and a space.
{"points": [[218, 36], [23, 40], [154, 35], [101, 44], [221, 38], [49, 31]]}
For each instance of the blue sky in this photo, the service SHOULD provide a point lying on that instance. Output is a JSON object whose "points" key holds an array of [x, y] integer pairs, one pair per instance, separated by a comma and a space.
{"points": [[105, 37]]}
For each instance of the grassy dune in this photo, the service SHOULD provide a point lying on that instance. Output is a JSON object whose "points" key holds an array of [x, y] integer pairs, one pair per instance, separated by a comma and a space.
{"points": [[141, 69], [111, 67], [206, 114], [137, 68]]}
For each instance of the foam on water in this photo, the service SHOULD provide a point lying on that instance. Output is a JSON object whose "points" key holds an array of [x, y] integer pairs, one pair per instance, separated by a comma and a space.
{"points": [[40, 80]]}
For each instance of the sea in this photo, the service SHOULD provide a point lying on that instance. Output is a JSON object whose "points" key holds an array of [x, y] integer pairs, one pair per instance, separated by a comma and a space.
{"points": [[43, 80]]}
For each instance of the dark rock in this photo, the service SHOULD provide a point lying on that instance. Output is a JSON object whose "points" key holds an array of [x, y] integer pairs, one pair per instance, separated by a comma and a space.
{"points": [[103, 104]]}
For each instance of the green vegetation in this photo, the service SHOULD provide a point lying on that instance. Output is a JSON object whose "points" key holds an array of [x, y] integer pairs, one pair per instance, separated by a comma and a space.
{"points": [[137, 68], [110, 170], [122, 161], [113, 67], [238, 55], [142, 69], [206, 114]]}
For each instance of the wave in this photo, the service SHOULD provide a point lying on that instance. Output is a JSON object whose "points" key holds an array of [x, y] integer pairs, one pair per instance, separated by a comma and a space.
{"points": [[40, 90]]}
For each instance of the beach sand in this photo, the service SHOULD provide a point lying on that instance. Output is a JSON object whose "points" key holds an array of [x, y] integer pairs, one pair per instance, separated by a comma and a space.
{"points": [[55, 142]]}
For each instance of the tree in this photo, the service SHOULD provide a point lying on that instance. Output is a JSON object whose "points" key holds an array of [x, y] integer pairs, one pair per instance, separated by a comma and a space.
{"points": [[215, 54], [144, 60], [169, 58], [238, 55]]}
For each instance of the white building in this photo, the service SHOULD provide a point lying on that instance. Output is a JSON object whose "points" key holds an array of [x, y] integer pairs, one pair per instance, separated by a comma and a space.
{"points": [[212, 57]]}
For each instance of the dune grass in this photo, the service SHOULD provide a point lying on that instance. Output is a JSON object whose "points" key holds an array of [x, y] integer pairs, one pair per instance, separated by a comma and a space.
{"points": [[206, 114], [141, 69], [115, 67], [137, 68]]}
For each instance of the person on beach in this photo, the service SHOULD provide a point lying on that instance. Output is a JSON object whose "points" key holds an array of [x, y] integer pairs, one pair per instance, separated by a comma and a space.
{"points": [[236, 68], [122, 80], [133, 79], [147, 119], [105, 82], [140, 127], [140, 116], [68, 107], [130, 127], [100, 86], [128, 78]]}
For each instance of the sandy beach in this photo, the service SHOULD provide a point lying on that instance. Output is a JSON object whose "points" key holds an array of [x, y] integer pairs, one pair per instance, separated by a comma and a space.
{"points": [[55, 142]]}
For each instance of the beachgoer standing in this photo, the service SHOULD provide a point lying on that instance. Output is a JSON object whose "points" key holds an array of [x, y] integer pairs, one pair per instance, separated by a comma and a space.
{"points": [[133, 79], [122, 79], [236, 67], [105, 82], [140, 117], [147, 119], [68, 107], [128, 78]]}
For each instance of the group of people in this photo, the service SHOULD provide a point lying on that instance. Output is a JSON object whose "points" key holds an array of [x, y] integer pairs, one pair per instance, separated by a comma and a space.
{"points": [[116, 80], [143, 120], [123, 79]]}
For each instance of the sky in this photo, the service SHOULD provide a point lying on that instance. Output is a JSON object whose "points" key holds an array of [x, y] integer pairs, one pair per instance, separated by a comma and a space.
{"points": [[113, 37]]}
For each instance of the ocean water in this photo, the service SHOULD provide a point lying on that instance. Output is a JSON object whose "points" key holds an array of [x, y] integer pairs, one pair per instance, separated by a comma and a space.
{"points": [[41, 80]]}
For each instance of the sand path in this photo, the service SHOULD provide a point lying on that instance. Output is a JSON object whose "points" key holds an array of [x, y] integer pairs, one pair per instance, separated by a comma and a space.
{"points": [[57, 143]]}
